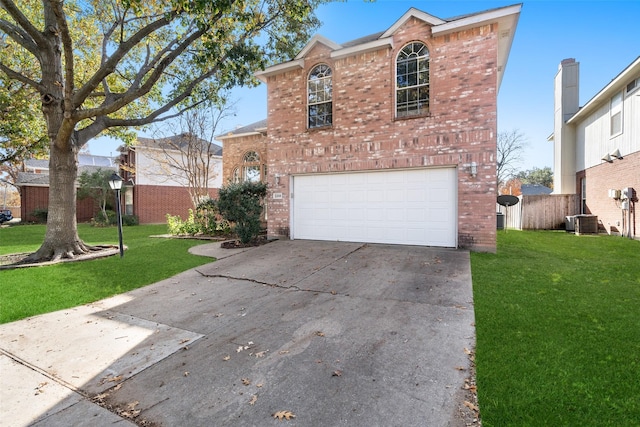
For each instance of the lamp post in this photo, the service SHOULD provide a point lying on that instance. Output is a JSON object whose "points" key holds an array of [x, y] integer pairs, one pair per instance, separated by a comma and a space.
{"points": [[115, 182]]}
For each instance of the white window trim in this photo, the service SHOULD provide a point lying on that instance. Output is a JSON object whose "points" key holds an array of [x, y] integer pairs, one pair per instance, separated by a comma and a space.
{"points": [[614, 111]]}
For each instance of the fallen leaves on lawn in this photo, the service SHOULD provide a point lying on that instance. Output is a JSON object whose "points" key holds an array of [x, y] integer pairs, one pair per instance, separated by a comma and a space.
{"points": [[287, 415]]}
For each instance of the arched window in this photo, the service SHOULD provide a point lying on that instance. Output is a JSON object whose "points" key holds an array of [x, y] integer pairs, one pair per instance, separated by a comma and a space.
{"points": [[320, 106], [251, 167], [412, 80], [235, 176]]}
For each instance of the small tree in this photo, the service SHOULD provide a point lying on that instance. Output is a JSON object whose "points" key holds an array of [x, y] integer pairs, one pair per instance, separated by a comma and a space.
{"points": [[511, 145], [96, 185], [186, 154], [241, 204]]}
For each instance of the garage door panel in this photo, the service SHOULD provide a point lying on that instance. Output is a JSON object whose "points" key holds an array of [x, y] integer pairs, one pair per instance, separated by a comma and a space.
{"points": [[410, 206]]}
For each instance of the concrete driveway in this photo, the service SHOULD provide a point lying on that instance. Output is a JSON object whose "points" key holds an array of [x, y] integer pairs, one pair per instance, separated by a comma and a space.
{"points": [[339, 334]]}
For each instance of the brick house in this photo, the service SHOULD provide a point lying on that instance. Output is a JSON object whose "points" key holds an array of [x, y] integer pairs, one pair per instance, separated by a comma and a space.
{"points": [[156, 168], [390, 138], [597, 147], [34, 186]]}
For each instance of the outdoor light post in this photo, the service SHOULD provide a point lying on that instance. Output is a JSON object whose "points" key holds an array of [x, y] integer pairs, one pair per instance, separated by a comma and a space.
{"points": [[115, 182]]}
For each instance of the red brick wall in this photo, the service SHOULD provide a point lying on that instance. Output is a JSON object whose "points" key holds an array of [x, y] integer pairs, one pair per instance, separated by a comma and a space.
{"points": [[460, 128], [32, 198], [617, 175], [152, 203]]}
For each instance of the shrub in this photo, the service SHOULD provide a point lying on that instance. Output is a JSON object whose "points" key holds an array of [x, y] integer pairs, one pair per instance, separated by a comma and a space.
{"points": [[210, 220], [181, 228], [100, 221], [130, 220], [241, 204], [40, 215]]}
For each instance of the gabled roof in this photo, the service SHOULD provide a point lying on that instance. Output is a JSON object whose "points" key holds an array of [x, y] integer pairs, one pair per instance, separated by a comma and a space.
{"points": [[616, 85], [42, 179], [257, 128], [177, 142], [506, 17], [534, 189]]}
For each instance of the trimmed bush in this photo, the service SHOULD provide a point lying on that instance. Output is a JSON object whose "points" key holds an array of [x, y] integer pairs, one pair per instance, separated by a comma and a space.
{"points": [[40, 214], [241, 205]]}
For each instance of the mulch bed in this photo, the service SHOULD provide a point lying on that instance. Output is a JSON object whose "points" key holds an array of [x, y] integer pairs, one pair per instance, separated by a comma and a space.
{"points": [[235, 244]]}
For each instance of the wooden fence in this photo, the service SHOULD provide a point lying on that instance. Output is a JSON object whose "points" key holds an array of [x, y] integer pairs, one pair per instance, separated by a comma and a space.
{"points": [[544, 212]]}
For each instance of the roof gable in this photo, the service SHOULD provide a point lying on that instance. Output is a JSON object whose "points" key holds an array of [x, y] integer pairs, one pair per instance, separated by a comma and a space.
{"points": [[618, 83], [412, 13], [314, 41]]}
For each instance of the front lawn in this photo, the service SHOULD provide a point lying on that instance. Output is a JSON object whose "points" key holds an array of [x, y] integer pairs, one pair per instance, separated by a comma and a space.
{"points": [[558, 337], [29, 291]]}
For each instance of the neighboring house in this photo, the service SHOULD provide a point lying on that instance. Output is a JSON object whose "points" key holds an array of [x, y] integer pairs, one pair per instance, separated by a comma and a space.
{"points": [[34, 185], [390, 138], [157, 168], [534, 190], [597, 147]]}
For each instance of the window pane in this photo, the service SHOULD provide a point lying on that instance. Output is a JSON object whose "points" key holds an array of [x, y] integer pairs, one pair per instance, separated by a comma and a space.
{"points": [[616, 123], [252, 173], [252, 156]]}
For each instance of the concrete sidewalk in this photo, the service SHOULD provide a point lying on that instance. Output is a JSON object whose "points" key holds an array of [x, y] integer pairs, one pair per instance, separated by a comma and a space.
{"points": [[336, 333]]}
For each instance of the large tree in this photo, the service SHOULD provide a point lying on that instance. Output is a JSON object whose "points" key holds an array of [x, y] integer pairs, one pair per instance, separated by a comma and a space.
{"points": [[102, 66]]}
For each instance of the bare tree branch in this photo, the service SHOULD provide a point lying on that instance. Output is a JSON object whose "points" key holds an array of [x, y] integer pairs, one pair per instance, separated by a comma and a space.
{"points": [[511, 145]]}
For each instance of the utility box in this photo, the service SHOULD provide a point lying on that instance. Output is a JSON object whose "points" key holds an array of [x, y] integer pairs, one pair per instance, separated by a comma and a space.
{"points": [[586, 224], [570, 223], [500, 220]]}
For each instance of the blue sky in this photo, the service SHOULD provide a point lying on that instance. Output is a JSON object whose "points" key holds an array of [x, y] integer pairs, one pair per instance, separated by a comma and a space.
{"points": [[604, 36]]}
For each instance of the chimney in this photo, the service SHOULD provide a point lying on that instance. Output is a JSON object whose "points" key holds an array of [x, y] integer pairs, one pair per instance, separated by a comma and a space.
{"points": [[566, 88]]}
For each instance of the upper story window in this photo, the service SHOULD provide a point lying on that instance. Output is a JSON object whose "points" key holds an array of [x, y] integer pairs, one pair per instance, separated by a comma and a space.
{"points": [[615, 112], [320, 97], [412, 80], [634, 85]]}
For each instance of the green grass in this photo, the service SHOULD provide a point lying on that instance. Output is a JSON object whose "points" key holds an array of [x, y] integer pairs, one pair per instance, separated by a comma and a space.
{"points": [[26, 292], [558, 336]]}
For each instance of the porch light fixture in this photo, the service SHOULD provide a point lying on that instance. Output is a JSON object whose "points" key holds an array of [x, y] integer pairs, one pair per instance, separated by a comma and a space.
{"points": [[115, 182], [474, 169], [607, 158]]}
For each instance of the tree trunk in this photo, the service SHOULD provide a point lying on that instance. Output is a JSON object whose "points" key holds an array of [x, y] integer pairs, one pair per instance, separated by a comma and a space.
{"points": [[61, 239]]}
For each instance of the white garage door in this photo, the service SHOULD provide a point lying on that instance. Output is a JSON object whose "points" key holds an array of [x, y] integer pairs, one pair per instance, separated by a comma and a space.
{"points": [[407, 206]]}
